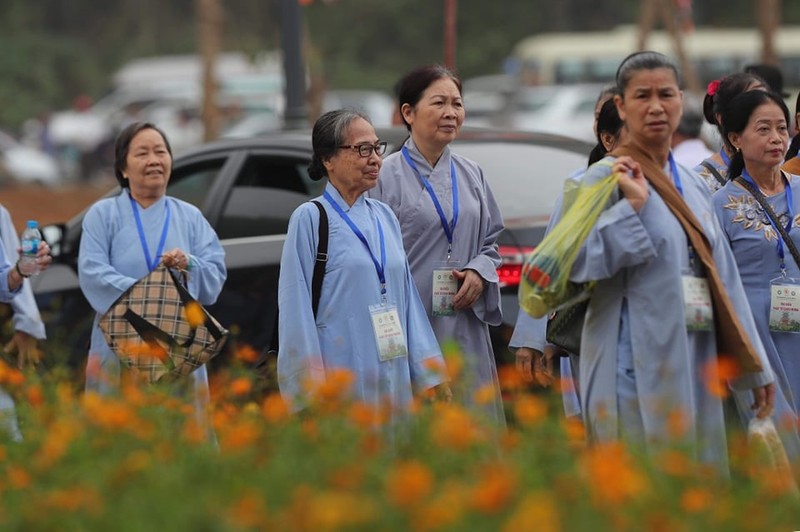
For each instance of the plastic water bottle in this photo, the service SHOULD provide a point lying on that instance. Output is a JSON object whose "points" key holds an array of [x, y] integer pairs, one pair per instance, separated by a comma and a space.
{"points": [[30, 247]]}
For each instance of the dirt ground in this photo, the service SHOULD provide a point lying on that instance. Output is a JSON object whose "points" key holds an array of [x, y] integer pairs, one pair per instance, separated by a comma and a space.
{"points": [[50, 205]]}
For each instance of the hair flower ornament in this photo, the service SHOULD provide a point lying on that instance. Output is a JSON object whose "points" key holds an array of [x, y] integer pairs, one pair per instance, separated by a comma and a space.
{"points": [[713, 87]]}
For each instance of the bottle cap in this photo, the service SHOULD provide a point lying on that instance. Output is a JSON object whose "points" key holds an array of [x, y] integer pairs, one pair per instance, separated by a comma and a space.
{"points": [[33, 223]]}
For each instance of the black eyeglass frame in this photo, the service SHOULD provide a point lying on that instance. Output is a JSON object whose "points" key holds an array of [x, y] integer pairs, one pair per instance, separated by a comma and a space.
{"points": [[365, 150]]}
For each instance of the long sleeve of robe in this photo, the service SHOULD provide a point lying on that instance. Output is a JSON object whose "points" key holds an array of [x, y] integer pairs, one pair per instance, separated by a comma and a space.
{"points": [[111, 259], [26, 314], [635, 324], [753, 241], [474, 247], [342, 336]]}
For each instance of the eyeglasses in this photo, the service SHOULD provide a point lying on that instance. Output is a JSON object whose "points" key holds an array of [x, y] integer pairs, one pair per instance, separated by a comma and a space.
{"points": [[365, 150]]}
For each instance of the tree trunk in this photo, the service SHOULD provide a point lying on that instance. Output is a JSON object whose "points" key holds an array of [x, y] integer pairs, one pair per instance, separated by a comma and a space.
{"points": [[209, 26]]}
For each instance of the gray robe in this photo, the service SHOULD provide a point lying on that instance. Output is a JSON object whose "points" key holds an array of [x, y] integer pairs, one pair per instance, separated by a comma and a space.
{"points": [[474, 247], [640, 369]]}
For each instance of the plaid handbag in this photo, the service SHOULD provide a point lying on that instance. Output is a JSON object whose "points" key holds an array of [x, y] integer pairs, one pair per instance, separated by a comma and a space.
{"points": [[158, 329]]}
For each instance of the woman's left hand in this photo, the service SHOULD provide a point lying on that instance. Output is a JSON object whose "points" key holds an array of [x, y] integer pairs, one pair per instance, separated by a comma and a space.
{"points": [[176, 259], [471, 289], [764, 400], [43, 258]]}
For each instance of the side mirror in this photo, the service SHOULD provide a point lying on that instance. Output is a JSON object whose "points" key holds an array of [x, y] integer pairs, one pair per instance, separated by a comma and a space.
{"points": [[53, 234]]}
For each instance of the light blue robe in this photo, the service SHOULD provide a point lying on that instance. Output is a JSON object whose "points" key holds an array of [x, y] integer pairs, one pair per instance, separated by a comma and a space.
{"points": [[474, 247], [532, 332], [8, 415], [638, 362], [754, 245], [708, 178], [342, 336], [111, 259]]}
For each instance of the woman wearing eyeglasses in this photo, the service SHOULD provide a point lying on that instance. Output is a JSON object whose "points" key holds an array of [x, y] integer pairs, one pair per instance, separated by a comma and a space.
{"points": [[450, 223], [369, 320]]}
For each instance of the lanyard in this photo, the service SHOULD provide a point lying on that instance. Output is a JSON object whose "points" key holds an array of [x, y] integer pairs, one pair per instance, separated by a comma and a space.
{"points": [[379, 266], [789, 207], [724, 156], [450, 228], [676, 177], [152, 264]]}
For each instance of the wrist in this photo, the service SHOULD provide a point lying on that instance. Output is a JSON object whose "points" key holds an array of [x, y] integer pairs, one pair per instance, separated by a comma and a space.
{"points": [[19, 272]]}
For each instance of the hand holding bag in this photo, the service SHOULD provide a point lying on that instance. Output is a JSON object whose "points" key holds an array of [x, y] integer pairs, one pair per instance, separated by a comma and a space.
{"points": [[158, 329]]}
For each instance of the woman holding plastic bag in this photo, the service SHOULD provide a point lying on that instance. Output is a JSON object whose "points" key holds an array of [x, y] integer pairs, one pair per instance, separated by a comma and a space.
{"points": [[649, 368]]}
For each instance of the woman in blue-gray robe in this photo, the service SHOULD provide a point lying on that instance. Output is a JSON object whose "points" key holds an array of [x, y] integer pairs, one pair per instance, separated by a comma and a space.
{"points": [[759, 249], [644, 376], [125, 237], [444, 202], [343, 335]]}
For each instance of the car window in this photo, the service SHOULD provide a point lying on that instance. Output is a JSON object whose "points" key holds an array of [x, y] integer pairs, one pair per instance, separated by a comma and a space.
{"points": [[525, 178], [267, 190], [192, 182]]}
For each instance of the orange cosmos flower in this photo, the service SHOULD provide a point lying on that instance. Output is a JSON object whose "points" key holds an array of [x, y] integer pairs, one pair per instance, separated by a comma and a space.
{"points": [[536, 511], [696, 499], [529, 410], [611, 474], [495, 490], [241, 386], [409, 483], [274, 408], [195, 314]]}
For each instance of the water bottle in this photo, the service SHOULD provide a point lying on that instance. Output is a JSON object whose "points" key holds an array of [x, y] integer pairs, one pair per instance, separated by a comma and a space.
{"points": [[30, 247]]}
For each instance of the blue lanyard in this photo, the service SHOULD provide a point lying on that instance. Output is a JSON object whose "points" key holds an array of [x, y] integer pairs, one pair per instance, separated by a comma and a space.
{"points": [[379, 266], [676, 177], [789, 207], [724, 156], [152, 264], [450, 228]]}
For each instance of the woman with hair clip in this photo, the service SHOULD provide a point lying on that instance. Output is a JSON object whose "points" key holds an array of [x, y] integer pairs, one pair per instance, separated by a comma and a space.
{"points": [[792, 164], [719, 94], [756, 127], [667, 296]]}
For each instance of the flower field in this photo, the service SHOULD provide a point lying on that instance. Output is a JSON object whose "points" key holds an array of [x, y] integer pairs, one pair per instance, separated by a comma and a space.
{"points": [[140, 462]]}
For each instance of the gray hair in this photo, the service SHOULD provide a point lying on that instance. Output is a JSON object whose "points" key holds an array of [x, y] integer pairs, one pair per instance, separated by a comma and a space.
{"points": [[647, 60], [328, 134]]}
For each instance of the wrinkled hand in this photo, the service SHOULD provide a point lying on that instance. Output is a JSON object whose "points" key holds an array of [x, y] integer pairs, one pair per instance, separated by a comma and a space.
{"points": [[524, 362], [176, 259], [536, 366], [442, 393], [471, 289], [43, 258], [632, 183], [26, 348], [764, 400]]}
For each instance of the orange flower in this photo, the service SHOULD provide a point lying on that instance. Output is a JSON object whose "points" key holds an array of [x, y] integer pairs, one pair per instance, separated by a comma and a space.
{"points": [[195, 314], [246, 353], [364, 416], [495, 490], [274, 408], [74, 500], [108, 413], [674, 463], [335, 389], [485, 395], [510, 378], [241, 386], [409, 483], [696, 499], [10, 376], [18, 478], [536, 511], [529, 410], [445, 510], [239, 436], [59, 436], [575, 431], [612, 477], [35, 395], [453, 428], [348, 478], [338, 511], [249, 512], [718, 372]]}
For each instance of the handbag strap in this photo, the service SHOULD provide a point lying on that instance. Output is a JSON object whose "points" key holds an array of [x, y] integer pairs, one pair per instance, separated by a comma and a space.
{"points": [[321, 259], [710, 167], [774, 217]]}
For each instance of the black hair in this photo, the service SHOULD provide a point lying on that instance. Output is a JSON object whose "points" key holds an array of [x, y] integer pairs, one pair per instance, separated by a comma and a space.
{"points": [[725, 91], [738, 116], [123, 146], [794, 146], [608, 121], [411, 87], [646, 60], [326, 137]]}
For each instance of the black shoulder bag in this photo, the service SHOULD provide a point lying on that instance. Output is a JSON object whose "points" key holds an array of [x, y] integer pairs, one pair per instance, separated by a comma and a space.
{"points": [[774, 217], [318, 276], [710, 167]]}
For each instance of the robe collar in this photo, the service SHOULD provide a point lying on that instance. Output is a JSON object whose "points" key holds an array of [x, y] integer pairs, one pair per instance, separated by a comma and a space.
{"points": [[330, 189], [423, 163], [126, 197]]}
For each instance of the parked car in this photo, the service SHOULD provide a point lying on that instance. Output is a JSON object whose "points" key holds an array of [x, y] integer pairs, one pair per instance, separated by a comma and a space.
{"points": [[26, 164], [248, 188]]}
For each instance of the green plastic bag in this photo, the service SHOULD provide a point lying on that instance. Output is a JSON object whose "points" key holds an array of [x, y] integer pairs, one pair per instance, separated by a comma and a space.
{"points": [[545, 285]]}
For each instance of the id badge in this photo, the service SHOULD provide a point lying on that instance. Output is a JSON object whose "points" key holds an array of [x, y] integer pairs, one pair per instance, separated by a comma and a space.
{"points": [[784, 305], [388, 332], [697, 305], [445, 287]]}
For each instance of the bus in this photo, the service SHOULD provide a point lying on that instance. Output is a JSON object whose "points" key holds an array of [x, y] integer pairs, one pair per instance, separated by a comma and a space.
{"points": [[565, 58]]}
